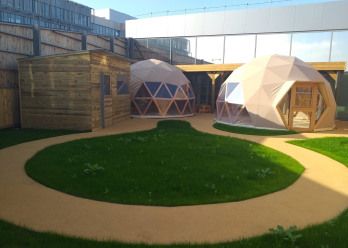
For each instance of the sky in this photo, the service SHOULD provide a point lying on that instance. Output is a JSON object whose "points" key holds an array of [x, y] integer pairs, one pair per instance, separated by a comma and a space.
{"points": [[143, 8]]}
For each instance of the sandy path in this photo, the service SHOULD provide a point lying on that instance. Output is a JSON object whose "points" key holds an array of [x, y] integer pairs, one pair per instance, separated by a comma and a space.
{"points": [[320, 194]]}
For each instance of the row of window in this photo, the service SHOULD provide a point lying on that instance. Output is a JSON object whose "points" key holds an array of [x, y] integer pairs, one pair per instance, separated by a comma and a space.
{"points": [[308, 46], [44, 23], [62, 10], [106, 31]]}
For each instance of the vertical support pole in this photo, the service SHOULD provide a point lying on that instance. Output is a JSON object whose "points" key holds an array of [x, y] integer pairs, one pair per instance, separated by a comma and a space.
{"points": [[330, 54], [255, 51], [213, 76], [36, 40], [84, 41], [112, 47], [223, 50], [102, 111], [196, 39], [170, 51], [290, 52], [130, 47]]}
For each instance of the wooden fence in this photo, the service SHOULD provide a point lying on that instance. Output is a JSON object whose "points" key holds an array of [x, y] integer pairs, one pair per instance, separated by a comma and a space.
{"points": [[18, 41]]}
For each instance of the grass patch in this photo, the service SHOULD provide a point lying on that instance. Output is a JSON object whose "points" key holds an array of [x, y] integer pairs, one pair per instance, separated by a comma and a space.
{"points": [[251, 131], [335, 148], [14, 136], [170, 165], [329, 234]]}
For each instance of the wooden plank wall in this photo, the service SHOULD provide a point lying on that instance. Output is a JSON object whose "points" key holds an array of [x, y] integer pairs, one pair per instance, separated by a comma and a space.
{"points": [[119, 107], [9, 109], [55, 92], [56, 42], [16, 41]]}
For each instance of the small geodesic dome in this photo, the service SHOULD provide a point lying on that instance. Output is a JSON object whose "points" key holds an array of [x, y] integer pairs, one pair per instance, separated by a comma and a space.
{"points": [[160, 90], [277, 92]]}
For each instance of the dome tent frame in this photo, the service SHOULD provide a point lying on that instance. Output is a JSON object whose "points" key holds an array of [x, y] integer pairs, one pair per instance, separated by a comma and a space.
{"points": [[160, 90], [277, 92]]}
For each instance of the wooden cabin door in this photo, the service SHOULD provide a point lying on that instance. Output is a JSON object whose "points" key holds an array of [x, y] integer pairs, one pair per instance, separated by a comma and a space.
{"points": [[105, 101], [303, 106]]}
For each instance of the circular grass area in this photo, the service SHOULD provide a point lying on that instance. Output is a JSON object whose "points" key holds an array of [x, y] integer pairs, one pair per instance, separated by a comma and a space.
{"points": [[170, 165]]}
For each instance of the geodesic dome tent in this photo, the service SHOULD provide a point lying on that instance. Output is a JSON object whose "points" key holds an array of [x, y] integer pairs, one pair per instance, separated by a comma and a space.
{"points": [[160, 90], [277, 92]]}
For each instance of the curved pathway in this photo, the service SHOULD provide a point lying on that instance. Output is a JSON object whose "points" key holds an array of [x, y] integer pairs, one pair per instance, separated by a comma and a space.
{"points": [[318, 195]]}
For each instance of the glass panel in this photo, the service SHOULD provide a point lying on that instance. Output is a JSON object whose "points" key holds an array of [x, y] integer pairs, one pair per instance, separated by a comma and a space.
{"points": [[152, 109], [339, 46], [311, 47], [172, 110], [321, 106], [268, 44], [160, 46], [221, 96], [163, 92], [153, 87], [183, 50], [134, 109], [239, 48], [210, 50], [303, 97], [181, 104], [172, 88], [180, 94], [142, 92], [107, 85], [122, 88], [284, 107], [142, 104], [301, 119], [163, 105]]}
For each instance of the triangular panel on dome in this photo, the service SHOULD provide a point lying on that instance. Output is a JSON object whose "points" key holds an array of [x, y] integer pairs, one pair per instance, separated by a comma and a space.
{"points": [[142, 92], [180, 94], [173, 110], [187, 110], [163, 92], [142, 104], [234, 93], [172, 89], [163, 105], [181, 104], [153, 87], [152, 109], [222, 93]]}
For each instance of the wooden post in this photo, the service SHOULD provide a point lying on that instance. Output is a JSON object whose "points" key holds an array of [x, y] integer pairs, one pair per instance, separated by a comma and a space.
{"points": [[112, 48], [36, 40], [84, 41], [213, 76]]}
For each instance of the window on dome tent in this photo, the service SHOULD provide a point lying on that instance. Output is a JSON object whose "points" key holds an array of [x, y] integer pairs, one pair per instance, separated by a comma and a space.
{"points": [[153, 87]]}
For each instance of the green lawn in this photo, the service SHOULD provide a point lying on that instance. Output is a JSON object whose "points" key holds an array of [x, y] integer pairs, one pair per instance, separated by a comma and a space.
{"points": [[336, 148], [332, 234], [171, 165], [14, 136], [251, 131]]}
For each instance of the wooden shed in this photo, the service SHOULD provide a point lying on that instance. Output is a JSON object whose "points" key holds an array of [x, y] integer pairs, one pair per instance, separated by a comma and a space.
{"points": [[84, 90]]}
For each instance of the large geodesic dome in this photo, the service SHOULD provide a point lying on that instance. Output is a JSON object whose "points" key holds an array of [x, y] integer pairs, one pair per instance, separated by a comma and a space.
{"points": [[277, 92], [160, 90]]}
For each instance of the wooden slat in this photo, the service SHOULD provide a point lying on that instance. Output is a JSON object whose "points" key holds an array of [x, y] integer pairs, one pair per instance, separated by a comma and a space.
{"points": [[320, 66]]}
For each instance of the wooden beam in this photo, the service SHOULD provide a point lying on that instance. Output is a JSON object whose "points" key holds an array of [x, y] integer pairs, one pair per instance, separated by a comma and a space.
{"points": [[320, 66]]}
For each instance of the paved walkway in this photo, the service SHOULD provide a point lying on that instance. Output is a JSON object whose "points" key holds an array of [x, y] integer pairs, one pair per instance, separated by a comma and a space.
{"points": [[320, 194]]}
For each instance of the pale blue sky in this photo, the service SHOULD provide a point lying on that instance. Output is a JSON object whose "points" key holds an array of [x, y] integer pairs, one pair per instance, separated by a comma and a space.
{"points": [[139, 7]]}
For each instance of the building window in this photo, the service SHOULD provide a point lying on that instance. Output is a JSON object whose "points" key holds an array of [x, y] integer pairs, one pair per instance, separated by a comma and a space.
{"points": [[106, 85], [122, 87]]}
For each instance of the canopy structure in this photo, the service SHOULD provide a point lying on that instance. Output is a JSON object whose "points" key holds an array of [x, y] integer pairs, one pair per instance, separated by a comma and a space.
{"points": [[277, 92], [160, 90]]}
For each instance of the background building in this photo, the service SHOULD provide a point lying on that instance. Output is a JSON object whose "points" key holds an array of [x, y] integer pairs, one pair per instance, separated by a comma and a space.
{"points": [[63, 15], [312, 32]]}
